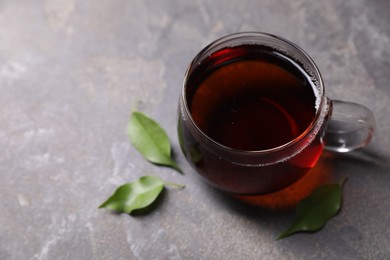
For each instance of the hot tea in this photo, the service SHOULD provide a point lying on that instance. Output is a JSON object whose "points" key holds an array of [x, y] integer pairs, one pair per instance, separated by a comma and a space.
{"points": [[251, 99]]}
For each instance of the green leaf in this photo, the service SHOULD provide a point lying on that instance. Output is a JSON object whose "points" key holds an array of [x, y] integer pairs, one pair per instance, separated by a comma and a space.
{"points": [[195, 153], [150, 140], [135, 195], [313, 212]]}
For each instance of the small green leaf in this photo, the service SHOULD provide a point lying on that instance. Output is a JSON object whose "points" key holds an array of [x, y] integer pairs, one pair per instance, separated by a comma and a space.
{"points": [[313, 212], [195, 153], [135, 195], [150, 140]]}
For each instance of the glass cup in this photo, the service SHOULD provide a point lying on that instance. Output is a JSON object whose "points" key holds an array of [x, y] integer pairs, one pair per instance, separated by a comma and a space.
{"points": [[254, 75]]}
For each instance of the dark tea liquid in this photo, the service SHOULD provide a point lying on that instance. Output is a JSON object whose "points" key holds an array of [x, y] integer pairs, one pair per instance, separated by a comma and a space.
{"points": [[250, 98], [257, 100]]}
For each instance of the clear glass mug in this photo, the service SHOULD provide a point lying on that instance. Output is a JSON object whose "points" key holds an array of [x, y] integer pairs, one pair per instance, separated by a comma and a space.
{"points": [[217, 71]]}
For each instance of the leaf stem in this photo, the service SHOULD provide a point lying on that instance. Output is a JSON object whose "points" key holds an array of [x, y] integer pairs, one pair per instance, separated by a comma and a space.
{"points": [[174, 185], [343, 181], [135, 105]]}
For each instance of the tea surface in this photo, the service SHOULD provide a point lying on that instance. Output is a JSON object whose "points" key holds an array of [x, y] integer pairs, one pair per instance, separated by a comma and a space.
{"points": [[251, 99]]}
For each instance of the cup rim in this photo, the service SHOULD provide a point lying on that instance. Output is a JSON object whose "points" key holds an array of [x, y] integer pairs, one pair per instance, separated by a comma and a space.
{"points": [[236, 36]]}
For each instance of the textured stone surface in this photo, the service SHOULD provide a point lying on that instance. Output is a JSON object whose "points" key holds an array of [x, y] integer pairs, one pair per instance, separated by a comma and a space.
{"points": [[70, 73]]}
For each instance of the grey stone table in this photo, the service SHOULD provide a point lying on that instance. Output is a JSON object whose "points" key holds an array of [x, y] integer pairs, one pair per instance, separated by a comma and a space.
{"points": [[70, 73]]}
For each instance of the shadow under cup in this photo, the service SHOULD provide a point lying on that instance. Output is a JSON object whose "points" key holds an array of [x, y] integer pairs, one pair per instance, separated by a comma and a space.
{"points": [[252, 113]]}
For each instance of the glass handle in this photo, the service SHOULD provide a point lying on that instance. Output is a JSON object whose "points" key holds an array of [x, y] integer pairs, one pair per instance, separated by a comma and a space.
{"points": [[351, 126]]}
